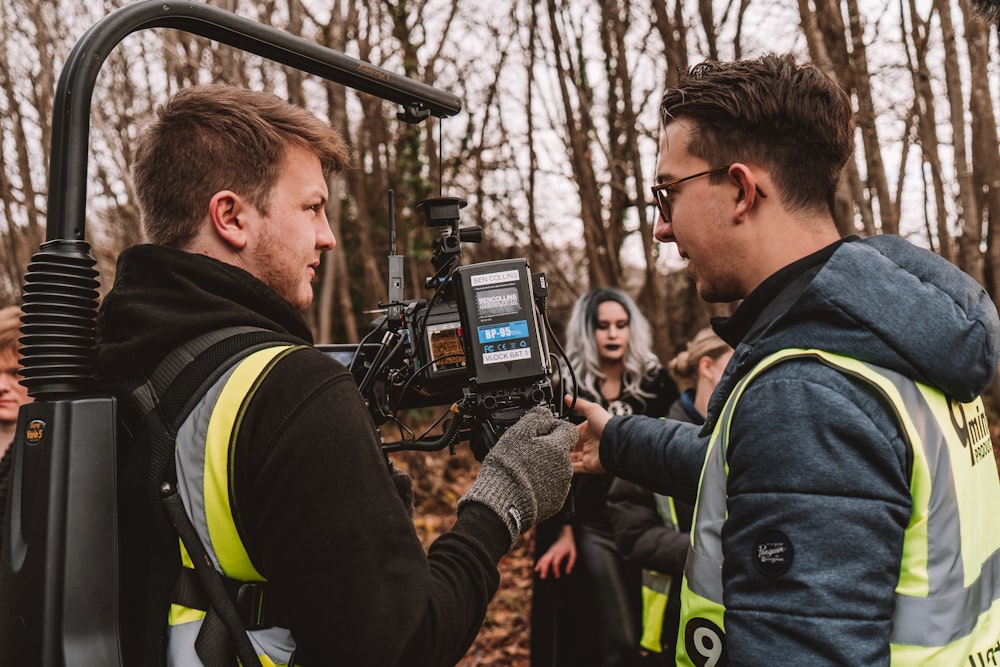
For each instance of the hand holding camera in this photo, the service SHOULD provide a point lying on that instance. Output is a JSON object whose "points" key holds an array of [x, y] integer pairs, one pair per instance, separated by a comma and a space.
{"points": [[525, 477]]}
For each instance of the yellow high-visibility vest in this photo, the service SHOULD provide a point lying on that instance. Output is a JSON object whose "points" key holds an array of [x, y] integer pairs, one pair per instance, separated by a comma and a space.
{"points": [[656, 586], [947, 609], [202, 457]]}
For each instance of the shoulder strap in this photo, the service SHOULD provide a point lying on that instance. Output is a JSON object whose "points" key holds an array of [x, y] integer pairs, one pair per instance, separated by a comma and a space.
{"points": [[160, 403], [180, 380]]}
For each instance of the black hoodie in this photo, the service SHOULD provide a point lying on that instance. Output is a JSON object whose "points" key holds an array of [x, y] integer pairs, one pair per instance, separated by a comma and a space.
{"points": [[320, 516]]}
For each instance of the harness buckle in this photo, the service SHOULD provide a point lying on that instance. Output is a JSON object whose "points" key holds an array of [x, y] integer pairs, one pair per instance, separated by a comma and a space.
{"points": [[250, 605]]}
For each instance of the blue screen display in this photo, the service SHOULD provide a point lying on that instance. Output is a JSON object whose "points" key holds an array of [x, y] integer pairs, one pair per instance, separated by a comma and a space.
{"points": [[496, 333]]}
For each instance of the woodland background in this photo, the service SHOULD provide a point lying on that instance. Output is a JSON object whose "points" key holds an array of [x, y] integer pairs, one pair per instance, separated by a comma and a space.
{"points": [[554, 150]]}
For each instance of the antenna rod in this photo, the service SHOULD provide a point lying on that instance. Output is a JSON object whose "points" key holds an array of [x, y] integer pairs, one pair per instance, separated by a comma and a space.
{"points": [[394, 312], [392, 224]]}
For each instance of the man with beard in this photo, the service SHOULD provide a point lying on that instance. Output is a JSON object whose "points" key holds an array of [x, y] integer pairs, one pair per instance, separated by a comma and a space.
{"points": [[278, 465]]}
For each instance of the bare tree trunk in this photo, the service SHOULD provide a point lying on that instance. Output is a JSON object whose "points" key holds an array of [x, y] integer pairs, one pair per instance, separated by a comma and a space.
{"points": [[707, 14], [866, 120], [926, 125], [22, 229], [906, 141], [851, 190], [969, 220], [985, 151], [825, 34], [673, 34], [629, 168], [738, 39], [337, 310], [578, 129]]}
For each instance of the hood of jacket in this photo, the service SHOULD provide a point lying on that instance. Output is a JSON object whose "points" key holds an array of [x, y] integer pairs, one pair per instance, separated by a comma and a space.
{"points": [[884, 301], [163, 297]]}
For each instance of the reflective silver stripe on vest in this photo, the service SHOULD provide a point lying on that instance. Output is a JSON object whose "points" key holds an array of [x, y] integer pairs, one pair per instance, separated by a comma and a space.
{"points": [[190, 461], [265, 642], [666, 510], [656, 582], [936, 621], [275, 645], [951, 610], [703, 567]]}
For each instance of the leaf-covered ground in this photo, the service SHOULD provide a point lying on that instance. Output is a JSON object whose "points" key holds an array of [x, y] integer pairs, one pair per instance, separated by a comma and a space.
{"points": [[439, 480]]}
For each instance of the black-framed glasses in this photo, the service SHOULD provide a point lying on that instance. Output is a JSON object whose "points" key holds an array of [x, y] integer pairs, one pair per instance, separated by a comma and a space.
{"points": [[662, 191]]}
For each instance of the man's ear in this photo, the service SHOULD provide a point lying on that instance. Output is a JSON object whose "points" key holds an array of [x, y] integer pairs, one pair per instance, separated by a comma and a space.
{"points": [[749, 193], [227, 210]]}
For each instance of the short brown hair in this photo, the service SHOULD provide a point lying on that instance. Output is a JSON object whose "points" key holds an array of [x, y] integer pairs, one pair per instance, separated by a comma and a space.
{"points": [[791, 119], [211, 138], [10, 328]]}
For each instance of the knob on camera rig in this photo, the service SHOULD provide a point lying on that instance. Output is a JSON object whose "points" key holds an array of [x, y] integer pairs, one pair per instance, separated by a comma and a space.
{"points": [[477, 345]]}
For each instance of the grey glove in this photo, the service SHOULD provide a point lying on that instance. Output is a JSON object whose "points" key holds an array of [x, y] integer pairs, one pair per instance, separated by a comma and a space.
{"points": [[525, 477]]}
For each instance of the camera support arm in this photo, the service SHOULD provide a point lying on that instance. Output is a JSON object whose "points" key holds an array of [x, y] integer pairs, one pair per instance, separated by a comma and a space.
{"points": [[71, 113], [64, 266]]}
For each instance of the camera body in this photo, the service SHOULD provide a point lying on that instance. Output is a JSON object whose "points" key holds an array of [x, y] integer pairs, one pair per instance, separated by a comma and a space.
{"points": [[478, 344]]}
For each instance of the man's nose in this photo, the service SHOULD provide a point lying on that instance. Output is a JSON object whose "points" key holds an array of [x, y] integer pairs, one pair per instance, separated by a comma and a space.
{"points": [[325, 240], [663, 231]]}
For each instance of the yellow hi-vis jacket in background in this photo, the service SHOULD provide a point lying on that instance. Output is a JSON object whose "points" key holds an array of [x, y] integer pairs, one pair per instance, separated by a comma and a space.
{"points": [[656, 586]]}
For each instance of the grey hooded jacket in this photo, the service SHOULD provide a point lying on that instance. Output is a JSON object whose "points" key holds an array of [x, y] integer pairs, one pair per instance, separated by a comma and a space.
{"points": [[815, 456]]}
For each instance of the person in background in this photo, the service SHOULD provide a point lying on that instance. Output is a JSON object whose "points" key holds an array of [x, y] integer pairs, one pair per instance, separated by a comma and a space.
{"points": [[280, 470], [844, 478], [651, 529], [609, 345], [12, 396], [697, 370]]}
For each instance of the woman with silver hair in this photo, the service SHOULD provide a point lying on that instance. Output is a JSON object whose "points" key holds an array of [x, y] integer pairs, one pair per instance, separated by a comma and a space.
{"points": [[609, 345]]}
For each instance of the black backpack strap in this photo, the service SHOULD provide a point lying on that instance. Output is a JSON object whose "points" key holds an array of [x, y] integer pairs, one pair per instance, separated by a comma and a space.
{"points": [[159, 404], [182, 377], [253, 604], [222, 627]]}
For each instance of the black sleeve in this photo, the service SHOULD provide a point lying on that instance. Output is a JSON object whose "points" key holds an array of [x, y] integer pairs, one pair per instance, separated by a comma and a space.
{"points": [[641, 534], [664, 391], [324, 524]]}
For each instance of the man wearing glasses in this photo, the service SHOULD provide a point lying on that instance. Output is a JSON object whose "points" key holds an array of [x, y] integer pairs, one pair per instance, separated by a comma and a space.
{"points": [[844, 475]]}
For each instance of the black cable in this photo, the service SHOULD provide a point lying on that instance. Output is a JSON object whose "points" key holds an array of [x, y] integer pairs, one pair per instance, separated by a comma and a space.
{"points": [[565, 357], [420, 371]]}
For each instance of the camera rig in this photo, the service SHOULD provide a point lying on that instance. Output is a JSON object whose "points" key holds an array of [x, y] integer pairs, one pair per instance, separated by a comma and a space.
{"points": [[478, 344], [59, 568]]}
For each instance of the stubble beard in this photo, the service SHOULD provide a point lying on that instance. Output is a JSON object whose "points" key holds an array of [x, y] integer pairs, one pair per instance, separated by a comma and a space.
{"points": [[274, 273], [716, 291]]}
